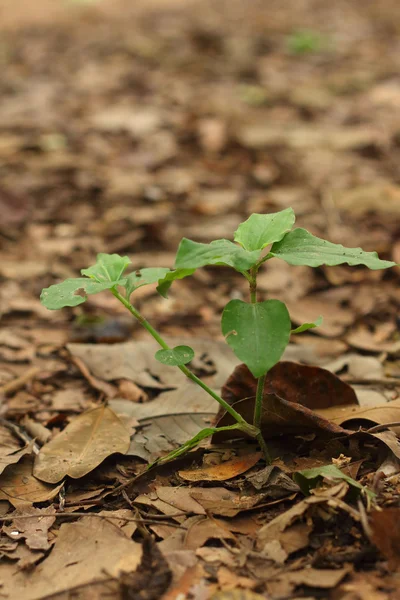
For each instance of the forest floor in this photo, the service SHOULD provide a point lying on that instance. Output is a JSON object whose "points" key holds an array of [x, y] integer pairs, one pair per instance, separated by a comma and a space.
{"points": [[123, 128]]}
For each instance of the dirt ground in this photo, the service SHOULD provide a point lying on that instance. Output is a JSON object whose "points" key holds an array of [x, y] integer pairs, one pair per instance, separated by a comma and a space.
{"points": [[125, 126]]}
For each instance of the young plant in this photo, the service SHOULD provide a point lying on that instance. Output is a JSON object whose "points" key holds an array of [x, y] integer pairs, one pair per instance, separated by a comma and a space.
{"points": [[257, 332]]}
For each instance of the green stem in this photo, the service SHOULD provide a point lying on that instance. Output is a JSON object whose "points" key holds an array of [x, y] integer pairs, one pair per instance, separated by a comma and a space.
{"points": [[261, 380], [204, 433], [243, 425]]}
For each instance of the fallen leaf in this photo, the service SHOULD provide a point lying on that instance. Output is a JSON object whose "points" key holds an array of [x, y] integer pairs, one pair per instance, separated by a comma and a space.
{"points": [[205, 529], [158, 436], [224, 471], [9, 449], [319, 578], [82, 446], [34, 530], [71, 563], [220, 501], [385, 534], [237, 595], [188, 395], [19, 486]]}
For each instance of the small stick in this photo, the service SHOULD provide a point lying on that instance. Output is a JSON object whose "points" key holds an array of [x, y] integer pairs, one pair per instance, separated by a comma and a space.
{"points": [[19, 382], [83, 514], [383, 426]]}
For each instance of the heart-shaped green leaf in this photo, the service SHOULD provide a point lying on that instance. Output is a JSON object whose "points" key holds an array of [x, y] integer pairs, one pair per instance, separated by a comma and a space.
{"points": [[299, 247], [165, 283], [175, 357], [72, 292], [144, 277], [261, 230], [109, 267], [257, 333], [192, 255], [310, 478], [306, 326]]}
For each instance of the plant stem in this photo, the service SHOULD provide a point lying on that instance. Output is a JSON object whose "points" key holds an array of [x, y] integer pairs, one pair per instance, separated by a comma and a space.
{"points": [[257, 418], [243, 425], [204, 433], [261, 380]]}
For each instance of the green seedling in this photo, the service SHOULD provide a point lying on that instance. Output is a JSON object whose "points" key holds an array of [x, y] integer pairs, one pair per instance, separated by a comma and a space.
{"points": [[258, 332], [306, 41]]}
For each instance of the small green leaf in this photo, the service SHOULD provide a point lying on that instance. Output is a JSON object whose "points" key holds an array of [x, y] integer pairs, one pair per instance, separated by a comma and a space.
{"points": [[144, 277], [165, 283], [109, 267], [175, 357], [261, 230], [257, 333], [310, 478], [299, 247], [192, 255], [71, 292], [306, 326]]}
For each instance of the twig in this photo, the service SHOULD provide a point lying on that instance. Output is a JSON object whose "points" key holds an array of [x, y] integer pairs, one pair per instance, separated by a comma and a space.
{"points": [[83, 514], [383, 426], [19, 382]]}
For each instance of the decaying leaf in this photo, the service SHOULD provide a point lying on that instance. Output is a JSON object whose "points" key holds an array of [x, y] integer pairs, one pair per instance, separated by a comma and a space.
{"points": [[20, 487], [385, 534], [224, 471], [88, 551], [34, 530], [82, 446], [10, 455]]}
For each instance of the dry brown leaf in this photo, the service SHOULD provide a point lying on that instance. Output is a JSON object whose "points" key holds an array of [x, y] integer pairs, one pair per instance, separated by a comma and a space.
{"points": [[385, 534], [82, 446], [205, 529], [353, 417], [319, 578], [34, 530], [224, 471], [21, 488], [11, 452], [220, 501], [87, 551], [157, 436], [237, 595]]}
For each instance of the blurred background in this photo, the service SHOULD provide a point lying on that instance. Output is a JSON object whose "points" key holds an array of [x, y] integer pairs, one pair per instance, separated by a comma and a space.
{"points": [[125, 126]]}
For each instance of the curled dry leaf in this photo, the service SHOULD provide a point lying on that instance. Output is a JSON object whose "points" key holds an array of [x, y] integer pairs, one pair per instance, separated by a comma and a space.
{"points": [[224, 471], [385, 534], [34, 530], [82, 446], [292, 392], [19, 486]]}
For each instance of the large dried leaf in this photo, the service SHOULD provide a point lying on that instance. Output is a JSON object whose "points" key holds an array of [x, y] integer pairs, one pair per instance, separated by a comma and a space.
{"points": [[19, 486], [135, 361], [34, 530], [9, 448], [364, 416], [224, 471], [85, 552], [82, 446], [292, 393], [160, 435]]}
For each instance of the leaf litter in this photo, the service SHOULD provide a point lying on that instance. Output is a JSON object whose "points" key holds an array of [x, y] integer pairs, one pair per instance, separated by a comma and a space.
{"points": [[207, 124]]}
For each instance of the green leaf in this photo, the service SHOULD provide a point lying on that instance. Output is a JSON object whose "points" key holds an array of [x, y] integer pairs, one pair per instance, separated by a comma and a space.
{"points": [[311, 478], [192, 255], [165, 283], [306, 326], [109, 267], [299, 247], [261, 230], [71, 292], [180, 355], [257, 333], [144, 277]]}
